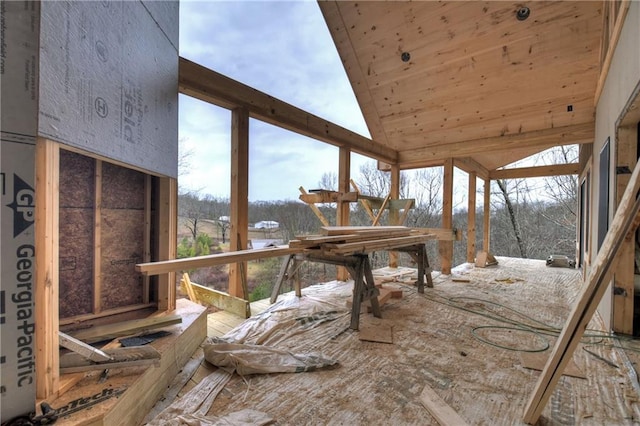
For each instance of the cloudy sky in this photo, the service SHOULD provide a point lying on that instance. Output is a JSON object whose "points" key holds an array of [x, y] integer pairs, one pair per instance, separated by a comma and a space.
{"points": [[284, 49]]}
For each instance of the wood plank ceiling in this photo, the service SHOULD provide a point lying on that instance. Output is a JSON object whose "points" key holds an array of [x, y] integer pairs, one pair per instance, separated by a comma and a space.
{"points": [[478, 82]]}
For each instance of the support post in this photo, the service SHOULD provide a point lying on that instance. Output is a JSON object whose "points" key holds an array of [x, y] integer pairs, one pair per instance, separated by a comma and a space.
{"points": [[239, 197], [446, 247], [344, 180], [486, 218], [47, 252], [167, 240], [97, 239], [393, 211], [471, 219]]}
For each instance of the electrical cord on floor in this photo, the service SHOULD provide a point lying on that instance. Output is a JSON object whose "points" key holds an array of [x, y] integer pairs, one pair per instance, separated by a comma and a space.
{"points": [[529, 325]]}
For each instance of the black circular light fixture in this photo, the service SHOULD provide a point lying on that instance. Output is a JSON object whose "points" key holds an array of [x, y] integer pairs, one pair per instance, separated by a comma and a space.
{"points": [[523, 13], [405, 56]]}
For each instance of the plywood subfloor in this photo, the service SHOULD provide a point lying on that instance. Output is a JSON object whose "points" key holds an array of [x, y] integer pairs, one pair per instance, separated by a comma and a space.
{"points": [[452, 338]]}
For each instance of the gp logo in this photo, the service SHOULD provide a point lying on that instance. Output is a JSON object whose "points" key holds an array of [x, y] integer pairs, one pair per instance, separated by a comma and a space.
{"points": [[23, 206]]}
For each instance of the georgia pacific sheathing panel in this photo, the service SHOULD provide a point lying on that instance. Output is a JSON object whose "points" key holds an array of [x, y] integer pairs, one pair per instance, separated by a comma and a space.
{"points": [[109, 82], [19, 23]]}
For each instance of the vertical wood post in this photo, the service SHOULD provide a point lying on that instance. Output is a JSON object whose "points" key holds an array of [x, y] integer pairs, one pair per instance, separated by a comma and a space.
{"points": [[47, 359], [471, 219], [146, 255], [97, 239], [167, 240], [342, 215], [486, 218], [624, 272], [393, 211], [446, 247], [239, 198]]}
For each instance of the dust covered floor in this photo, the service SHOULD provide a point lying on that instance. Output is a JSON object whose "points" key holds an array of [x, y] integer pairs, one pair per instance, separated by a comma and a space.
{"points": [[466, 340]]}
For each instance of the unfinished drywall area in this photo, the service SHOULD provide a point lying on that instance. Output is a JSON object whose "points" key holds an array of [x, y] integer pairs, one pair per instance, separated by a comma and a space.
{"points": [[77, 209], [622, 78], [109, 81], [122, 235]]}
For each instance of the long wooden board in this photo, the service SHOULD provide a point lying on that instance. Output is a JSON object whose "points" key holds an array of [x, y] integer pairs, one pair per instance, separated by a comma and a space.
{"points": [[125, 328], [119, 358], [373, 245], [440, 410], [175, 265], [624, 222], [220, 300], [347, 230]]}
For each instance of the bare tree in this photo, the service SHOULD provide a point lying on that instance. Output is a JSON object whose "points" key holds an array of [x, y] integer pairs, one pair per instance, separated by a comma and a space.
{"points": [[193, 210], [512, 216]]}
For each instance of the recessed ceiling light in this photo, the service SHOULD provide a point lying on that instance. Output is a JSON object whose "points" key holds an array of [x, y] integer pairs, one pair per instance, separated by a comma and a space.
{"points": [[523, 13], [406, 56]]}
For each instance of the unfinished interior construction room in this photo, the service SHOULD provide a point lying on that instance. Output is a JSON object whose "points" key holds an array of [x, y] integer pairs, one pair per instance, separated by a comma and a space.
{"points": [[101, 323]]}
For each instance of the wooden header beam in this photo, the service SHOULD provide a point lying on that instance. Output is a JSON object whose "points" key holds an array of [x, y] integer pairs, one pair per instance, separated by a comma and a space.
{"points": [[545, 138], [540, 171], [209, 86]]}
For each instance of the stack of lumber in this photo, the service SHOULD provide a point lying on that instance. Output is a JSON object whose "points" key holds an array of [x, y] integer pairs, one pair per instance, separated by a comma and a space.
{"points": [[346, 240]]}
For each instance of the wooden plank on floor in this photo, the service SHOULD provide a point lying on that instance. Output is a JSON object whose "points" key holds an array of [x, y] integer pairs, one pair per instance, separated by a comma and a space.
{"points": [[440, 410], [125, 328]]}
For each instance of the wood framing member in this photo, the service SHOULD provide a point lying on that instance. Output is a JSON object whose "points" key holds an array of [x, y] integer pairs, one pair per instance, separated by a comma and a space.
{"points": [[471, 219], [486, 217], [239, 198], [97, 239], [614, 36], [344, 182], [470, 165], [146, 255], [47, 359], [209, 86], [393, 211], [624, 222], [445, 248], [539, 171], [167, 240], [546, 138]]}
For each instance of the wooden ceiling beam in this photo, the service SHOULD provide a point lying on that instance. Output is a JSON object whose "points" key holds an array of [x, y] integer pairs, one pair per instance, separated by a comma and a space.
{"points": [[470, 165], [545, 138], [539, 171], [209, 86]]}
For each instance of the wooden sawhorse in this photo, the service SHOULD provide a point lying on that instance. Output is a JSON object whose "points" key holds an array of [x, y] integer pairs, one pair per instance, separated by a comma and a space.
{"points": [[359, 267]]}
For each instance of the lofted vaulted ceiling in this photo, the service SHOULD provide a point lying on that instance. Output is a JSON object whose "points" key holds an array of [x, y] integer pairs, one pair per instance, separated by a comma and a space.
{"points": [[437, 80]]}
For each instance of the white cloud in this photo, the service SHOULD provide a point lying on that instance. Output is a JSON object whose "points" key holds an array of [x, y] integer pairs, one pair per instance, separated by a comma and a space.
{"points": [[285, 50]]}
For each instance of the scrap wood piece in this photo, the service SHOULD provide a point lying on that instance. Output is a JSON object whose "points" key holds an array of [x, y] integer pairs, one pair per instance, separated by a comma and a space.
{"points": [[381, 210], [625, 222], [537, 361], [119, 358], [379, 333], [457, 279], [81, 348], [315, 209], [197, 400], [221, 300], [439, 409], [484, 259], [125, 328], [383, 297], [186, 283], [175, 387]]}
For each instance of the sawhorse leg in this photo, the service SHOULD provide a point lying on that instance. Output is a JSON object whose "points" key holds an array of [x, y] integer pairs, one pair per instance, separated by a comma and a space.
{"points": [[363, 288], [281, 276]]}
